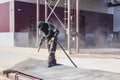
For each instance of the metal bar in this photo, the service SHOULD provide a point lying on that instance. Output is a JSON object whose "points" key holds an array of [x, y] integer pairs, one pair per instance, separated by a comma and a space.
{"points": [[18, 73], [59, 21], [12, 15], [68, 31], [67, 54], [77, 26], [57, 18], [46, 15], [12, 19], [46, 10], [50, 2], [65, 13], [37, 20], [52, 10]]}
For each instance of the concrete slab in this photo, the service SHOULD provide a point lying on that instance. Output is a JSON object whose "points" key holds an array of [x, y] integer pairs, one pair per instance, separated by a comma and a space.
{"points": [[38, 68], [30, 62], [110, 65]]}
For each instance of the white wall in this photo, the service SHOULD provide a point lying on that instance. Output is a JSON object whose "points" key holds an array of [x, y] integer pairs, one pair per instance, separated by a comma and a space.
{"points": [[3, 1], [21, 39], [7, 39]]}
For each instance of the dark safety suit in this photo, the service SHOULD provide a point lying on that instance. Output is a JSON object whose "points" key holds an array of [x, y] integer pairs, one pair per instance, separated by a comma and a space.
{"points": [[50, 34]]}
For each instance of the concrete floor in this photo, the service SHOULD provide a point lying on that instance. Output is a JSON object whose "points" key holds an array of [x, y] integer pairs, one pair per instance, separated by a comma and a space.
{"points": [[104, 62]]}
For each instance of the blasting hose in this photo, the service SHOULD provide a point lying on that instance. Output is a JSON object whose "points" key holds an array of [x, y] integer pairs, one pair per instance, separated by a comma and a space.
{"points": [[67, 54]]}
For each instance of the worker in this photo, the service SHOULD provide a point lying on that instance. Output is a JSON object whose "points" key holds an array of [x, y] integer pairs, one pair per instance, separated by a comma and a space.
{"points": [[50, 34]]}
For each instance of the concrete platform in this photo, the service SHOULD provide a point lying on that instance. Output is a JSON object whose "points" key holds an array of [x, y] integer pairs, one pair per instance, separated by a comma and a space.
{"points": [[38, 68], [90, 66]]}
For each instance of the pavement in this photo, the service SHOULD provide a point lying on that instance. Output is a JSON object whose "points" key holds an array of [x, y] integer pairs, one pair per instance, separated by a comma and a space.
{"points": [[93, 64]]}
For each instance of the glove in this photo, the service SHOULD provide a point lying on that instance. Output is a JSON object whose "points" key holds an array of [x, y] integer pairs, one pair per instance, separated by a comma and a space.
{"points": [[53, 38], [42, 39], [56, 33]]}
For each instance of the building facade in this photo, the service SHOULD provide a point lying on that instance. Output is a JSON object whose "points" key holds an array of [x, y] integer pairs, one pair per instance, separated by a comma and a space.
{"points": [[18, 22]]}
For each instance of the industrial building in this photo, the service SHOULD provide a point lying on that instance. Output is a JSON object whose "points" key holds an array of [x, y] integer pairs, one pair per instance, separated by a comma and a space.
{"points": [[88, 40], [82, 23]]}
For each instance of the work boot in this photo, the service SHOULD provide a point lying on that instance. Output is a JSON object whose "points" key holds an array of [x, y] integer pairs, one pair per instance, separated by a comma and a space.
{"points": [[50, 65], [53, 63]]}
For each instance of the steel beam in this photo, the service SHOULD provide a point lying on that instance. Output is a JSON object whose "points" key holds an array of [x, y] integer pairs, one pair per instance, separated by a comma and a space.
{"points": [[46, 10], [37, 20], [52, 11], [47, 16], [69, 27], [12, 16], [77, 26]]}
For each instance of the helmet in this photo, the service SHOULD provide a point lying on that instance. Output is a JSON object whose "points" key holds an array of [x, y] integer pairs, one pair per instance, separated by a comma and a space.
{"points": [[40, 24]]}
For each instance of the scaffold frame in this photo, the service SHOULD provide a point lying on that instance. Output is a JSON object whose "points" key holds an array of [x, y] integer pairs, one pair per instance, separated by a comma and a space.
{"points": [[68, 23]]}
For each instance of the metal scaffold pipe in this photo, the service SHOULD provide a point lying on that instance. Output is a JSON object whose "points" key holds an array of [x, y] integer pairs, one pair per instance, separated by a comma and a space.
{"points": [[71, 19], [37, 20], [77, 26], [68, 31]]}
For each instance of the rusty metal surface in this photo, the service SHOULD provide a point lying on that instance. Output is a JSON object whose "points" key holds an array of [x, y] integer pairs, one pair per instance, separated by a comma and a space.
{"points": [[17, 75]]}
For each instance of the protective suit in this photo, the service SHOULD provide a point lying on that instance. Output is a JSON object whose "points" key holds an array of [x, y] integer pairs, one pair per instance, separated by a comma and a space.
{"points": [[50, 34]]}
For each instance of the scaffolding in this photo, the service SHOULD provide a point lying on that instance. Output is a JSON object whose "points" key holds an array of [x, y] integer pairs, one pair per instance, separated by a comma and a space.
{"points": [[71, 19]]}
